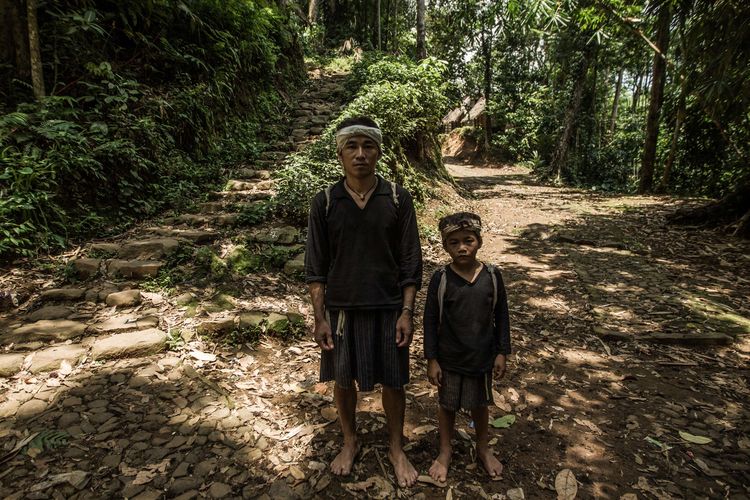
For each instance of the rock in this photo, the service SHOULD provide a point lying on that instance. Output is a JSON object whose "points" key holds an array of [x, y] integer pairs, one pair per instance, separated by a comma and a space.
{"points": [[108, 249], [216, 326], [295, 266], [219, 490], [237, 185], [188, 495], [252, 319], [10, 364], [57, 329], [112, 460], [193, 235], [127, 322], [134, 268], [85, 268], [181, 470], [211, 207], [225, 219], [283, 235], [184, 299], [68, 419], [63, 294], [31, 408], [50, 359], [154, 248], [129, 344], [125, 298], [182, 484], [149, 494], [249, 173], [277, 323]]}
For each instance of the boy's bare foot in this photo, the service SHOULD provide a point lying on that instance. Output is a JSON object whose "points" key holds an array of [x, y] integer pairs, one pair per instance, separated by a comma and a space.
{"points": [[406, 474], [342, 464], [439, 469], [491, 464]]}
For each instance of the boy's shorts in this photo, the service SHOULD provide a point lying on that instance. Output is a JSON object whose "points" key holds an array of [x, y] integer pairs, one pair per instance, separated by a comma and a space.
{"points": [[463, 391], [365, 351]]}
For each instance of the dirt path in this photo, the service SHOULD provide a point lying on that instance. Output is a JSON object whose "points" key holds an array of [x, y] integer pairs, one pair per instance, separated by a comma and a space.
{"points": [[593, 282]]}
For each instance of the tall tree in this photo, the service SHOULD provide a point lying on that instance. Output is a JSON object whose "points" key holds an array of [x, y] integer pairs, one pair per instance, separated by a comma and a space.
{"points": [[37, 76], [312, 12], [658, 77], [616, 102], [421, 46]]}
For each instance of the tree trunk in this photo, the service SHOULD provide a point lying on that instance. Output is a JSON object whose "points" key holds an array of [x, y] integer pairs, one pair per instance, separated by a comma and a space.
{"points": [[561, 151], [20, 41], [421, 47], [645, 182], [487, 56], [380, 37], [615, 103], [312, 12], [636, 92], [732, 211], [395, 26], [37, 76]]}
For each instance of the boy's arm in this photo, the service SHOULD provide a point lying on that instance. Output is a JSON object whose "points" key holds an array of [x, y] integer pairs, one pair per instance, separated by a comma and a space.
{"points": [[502, 319]]}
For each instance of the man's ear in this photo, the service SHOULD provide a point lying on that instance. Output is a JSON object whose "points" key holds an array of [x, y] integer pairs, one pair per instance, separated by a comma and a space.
{"points": [[340, 156]]}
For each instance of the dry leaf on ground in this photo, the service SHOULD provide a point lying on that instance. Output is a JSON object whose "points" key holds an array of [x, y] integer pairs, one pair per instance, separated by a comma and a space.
{"points": [[566, 485]]}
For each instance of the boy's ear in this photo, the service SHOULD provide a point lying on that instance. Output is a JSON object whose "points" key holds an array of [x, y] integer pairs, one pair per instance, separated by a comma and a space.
{"points": [[479, 237]]}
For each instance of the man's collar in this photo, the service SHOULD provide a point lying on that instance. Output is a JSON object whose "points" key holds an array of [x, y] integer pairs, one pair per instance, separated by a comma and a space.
{"points": [[339, 191]]}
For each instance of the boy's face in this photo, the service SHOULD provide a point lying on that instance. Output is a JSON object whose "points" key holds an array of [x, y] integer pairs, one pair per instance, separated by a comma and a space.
{"points": [[462, 246]]}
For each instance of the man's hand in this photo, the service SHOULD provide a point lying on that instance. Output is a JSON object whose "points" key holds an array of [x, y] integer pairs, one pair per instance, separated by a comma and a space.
{"points": [[404, 329], [323, 335], [434, 373], [500, 366]]}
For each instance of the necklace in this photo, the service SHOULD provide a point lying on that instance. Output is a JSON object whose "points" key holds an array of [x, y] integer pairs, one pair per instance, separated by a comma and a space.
{"points": [[361, 196]]}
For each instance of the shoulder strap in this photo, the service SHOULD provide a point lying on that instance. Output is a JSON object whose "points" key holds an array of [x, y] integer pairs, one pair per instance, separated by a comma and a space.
{"points": [[491, 270], [393, 193], [441, 291], [328, 198]]}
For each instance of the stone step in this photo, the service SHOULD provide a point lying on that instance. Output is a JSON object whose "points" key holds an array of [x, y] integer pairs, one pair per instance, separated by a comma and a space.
{"points": [[295, 266], [44, 330], [242, 196], [136, 343], [251, 173], [133, 268], [195, 220], [282, 235], [63, 294], [196, 236], [148, 249]]}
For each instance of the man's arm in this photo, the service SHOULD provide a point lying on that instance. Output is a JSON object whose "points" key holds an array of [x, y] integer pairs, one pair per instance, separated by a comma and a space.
{"points": [[322, 330]]}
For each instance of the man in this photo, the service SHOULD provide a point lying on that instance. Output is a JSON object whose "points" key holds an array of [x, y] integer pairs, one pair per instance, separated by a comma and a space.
{"points": [[363, 265]]}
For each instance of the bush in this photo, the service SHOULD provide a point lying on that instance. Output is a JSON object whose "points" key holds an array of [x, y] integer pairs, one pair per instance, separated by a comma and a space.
{"points": [[407, 100], [148, 102]]}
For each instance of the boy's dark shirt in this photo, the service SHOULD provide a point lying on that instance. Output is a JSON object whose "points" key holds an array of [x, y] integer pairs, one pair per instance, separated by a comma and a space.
{"points": [[470, 335], [364, 256]]}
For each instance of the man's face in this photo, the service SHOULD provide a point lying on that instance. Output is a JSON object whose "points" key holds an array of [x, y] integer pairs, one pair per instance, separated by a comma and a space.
{"points": [[359, 156], [462, 246]]}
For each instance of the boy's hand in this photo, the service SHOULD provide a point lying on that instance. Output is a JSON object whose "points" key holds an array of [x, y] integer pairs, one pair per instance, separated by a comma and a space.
{"points": [[323, 335], [500, 366], [434, 373]]}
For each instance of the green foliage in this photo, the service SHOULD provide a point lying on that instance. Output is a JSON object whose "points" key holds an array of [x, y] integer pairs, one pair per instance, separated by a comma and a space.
{"points": [[47, 440], [256, 213], [406, 99], [175, 342], [147, 103]]}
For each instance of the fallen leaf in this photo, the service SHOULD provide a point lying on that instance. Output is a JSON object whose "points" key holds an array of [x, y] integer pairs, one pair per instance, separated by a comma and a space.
{"points": [[77, 479], [566, 485], [514, 397], [629, 496], [515, 494], [296, 473], [424, 429], [329, 413], [316, 466], [322, 483], [503, 422], [428, 479], [65, 367], [743, 443], [587, 423], [464, 434], [694, 439], [203, 356]]}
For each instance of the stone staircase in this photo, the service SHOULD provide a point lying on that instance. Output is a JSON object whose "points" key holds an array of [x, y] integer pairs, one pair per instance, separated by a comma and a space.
{"points": [[102, 310]]}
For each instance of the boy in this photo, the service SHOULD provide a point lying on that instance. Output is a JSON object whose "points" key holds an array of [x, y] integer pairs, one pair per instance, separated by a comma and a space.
{"points": [[466, 337]]}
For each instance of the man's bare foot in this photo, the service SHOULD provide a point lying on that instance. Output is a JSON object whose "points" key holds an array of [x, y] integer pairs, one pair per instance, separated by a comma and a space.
{"points": [[406, 474], [439, 469], [491, 464], [342, 464]]}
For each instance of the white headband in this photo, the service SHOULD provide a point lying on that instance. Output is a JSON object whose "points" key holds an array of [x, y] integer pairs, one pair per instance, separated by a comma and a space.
{"points": [[347, 133]]}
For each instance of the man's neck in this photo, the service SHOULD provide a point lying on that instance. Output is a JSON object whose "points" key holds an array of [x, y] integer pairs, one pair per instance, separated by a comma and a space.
{"points": [[360, 184]]}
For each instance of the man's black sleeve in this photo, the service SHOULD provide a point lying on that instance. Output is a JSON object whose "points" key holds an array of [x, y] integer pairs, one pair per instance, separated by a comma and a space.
{"points": [[410, 248], [502, 318], [317, 258], [431, 319]]}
